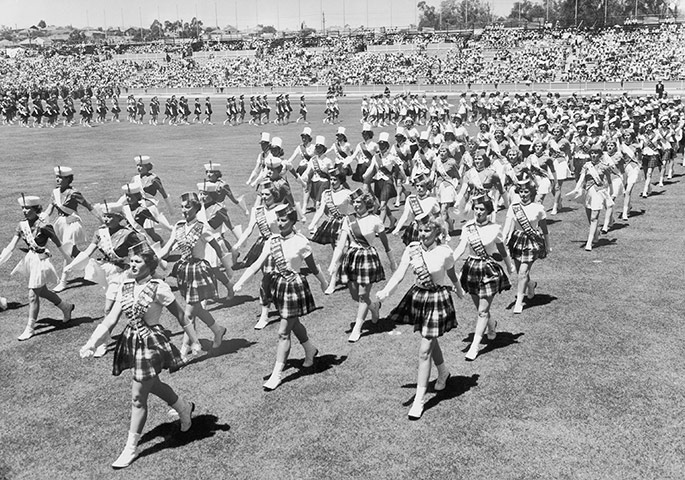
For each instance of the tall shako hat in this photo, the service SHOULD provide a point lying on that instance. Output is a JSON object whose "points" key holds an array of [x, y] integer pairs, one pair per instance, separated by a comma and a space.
{"points": [[190, 197], [111, 208], [131, 188], [61, 171], [142, 160], [212, 167], [28, 200], [141, 248]]}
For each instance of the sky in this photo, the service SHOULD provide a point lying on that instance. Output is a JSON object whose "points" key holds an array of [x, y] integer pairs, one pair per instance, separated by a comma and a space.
{"points": [[282, 14]]}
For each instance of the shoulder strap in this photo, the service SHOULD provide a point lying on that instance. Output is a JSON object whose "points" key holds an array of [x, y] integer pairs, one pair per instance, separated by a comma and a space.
{"points": [[423, 276], [135, 308], [415, 205], [276, 249], [522, 219], [475, 241], [262, 223], [356, 232], [27, 233], [332, 208]]}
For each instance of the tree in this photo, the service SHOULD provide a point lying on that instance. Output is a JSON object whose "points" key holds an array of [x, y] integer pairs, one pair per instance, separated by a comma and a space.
{"points": [[76, 36], [455, 14], [527, 10], [156, 30], [42, 24], [428, 18]]}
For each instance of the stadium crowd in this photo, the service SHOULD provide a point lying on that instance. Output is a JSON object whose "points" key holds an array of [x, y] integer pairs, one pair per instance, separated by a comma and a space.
{"points": [[498, 56]]}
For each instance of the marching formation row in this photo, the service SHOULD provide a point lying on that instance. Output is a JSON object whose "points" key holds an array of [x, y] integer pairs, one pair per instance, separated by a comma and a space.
{"points": [[447, 181]]}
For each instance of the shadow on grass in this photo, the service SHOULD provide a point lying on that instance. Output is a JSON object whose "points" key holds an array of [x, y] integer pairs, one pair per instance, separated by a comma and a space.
{"points": [[227, 347], [605, 242], [204, 426], [551, 221], [232, 302], [15, 306], [322, 363], [656, 192], [456, 386], [60, 325], [502, 340], [636, 213], [538, 300], [369, 328], [616, 226]]}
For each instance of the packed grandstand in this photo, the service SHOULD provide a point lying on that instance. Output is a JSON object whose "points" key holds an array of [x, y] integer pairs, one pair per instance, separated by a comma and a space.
{"points": [[497, 55]]}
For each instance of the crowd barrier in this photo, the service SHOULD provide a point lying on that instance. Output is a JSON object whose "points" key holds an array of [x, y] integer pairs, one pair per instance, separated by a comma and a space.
{"points": [[674, 87]]}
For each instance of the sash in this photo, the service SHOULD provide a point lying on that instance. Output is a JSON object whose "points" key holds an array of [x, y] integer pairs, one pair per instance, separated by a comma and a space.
{"points": [[592, 171], [382, 168], [475, 241], [555, 148], [339, 151], [135, 308], [262, 223], [405, 157], [303, 152], [316, 166], [418, 263], [415, 205], [424, 160], [187, 240], [57, 196], [276, 249], [630, 152], [105, 244], [528, 228], [29, 238], [356, 232], [365, 151], [330, 205]]}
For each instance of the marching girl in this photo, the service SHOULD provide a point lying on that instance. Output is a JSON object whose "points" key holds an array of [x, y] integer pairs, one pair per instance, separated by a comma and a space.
{"points": [[141, 216], [112, 240], [341, 148], [36, 265], [614, 159], [283, 256], [382, 172], [363, 153], [303, 111], [151, 185], [335, 204], [215, 216], [68, 226], [315, 176], [208, 112], [428, 303], [446, 172], [595, 179], [514, 167], [356, 261], [193, 273], [632, 155], [544, 169], [424, 157], [258, 170], [560, 151], [479, 180], [404, 151], [651, 140], [143, 347], [263, 216], [223, 191], [415, 206], [481, 276], [666, 148], [525, 233]]}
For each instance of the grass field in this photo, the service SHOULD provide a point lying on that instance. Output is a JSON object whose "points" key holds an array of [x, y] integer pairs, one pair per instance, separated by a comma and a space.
{"points": [[587, 383]]}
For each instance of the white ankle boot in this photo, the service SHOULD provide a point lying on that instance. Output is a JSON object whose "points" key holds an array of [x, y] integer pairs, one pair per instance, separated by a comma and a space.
{"points": [[28, 331], [275, 379], [130, 452]]}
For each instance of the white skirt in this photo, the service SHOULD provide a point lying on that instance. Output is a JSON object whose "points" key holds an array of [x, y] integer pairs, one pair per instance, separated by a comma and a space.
{"points": [[38, 268], [632, 173], [105, 274], [597, 198], [544, 185], [561, 168], [447, 193], [617, 187], [69, 230]]}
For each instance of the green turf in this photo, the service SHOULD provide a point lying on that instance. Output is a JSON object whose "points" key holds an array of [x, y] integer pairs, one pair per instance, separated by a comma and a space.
{"points": [[587, 383]]}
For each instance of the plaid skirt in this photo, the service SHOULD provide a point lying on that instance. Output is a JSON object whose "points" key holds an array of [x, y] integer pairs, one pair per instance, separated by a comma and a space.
{"points": [[430, 311], [651, 161], [384, 190], [483, 277], [317, 188], [362, 266], [410, 234], [292, 298], [146, 351], [252, 255], [195, 280], [327, 233], [524, 248]]}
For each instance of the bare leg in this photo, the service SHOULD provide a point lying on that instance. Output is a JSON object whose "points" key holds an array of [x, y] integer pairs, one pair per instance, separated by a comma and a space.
{"points": [[483, 306]]}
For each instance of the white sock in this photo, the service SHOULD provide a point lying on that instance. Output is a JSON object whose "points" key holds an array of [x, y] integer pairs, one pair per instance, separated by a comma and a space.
{"points": [[420, 392]]}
